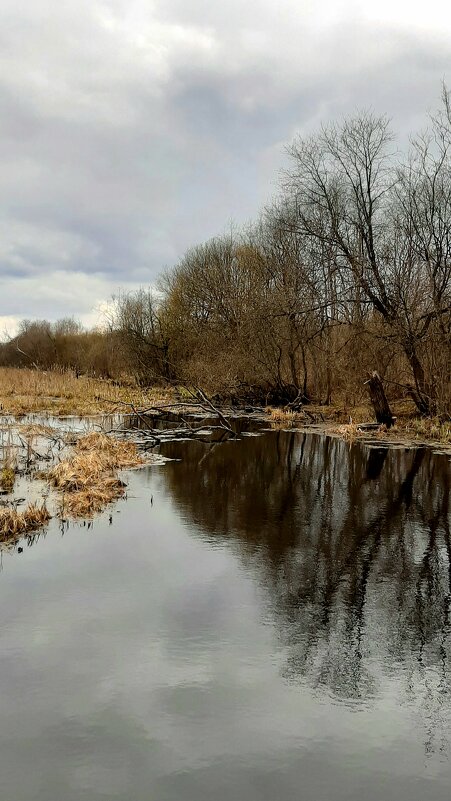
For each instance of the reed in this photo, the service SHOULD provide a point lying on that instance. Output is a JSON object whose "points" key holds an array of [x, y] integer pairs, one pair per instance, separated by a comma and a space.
{"points": [[7, 478], [284, 418], [8, 465], [348, 431], [14, 524]]}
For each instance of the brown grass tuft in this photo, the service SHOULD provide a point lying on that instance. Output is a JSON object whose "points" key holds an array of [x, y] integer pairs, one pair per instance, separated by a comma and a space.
{"points": [[9, 462], [14, 524], [348, 431], [88, 478], [33, 430], [282, 415], [283, 418], [7, 478], [429, 428]]}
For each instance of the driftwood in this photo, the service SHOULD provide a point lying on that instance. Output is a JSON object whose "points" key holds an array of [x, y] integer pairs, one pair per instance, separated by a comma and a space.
{"points": [[379, 401], [149, 438], [206, 405], [177, 412]]}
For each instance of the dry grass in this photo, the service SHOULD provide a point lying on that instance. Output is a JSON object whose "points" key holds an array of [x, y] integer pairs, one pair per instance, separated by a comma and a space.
{"points": [[14, 524], [348, 431], [428, 429], [408, 425], [8, 461], [286, 418], [33, 430], [7, 478], [283, 416], [61, 393], [88, 478]]}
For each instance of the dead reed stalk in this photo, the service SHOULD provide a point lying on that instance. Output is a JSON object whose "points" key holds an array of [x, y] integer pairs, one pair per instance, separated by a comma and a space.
{"points": [[9, 462]]}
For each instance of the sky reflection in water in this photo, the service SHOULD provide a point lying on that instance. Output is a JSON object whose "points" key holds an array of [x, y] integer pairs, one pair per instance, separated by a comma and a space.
{"points": [[275, 625]]}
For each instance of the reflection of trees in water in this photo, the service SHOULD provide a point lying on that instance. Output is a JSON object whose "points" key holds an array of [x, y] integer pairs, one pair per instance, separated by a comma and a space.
{"points": [[354, 545]]}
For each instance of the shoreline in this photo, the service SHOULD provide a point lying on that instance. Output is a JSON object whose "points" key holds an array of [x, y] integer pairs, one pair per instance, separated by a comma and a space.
{"points": [[396, 439], [62, 395]]}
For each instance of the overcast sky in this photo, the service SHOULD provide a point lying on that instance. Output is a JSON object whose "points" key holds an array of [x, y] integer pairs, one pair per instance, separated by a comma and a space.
{"points": [[132, 129]]}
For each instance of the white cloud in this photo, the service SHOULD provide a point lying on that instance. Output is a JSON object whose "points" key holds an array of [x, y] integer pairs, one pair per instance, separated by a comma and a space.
{"points": [[61, 294], [8, 327], [435, 15]]}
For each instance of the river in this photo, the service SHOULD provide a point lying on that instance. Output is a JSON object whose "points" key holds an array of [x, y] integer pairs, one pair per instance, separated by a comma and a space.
{"points": [[263, 619]]}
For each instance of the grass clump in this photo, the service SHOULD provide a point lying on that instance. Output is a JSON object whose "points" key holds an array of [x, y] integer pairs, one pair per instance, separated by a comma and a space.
{"points": [[13, 524], [8, 462], [430, 428], [7, 478], [348, 431], [283, 416], [88, 478]]}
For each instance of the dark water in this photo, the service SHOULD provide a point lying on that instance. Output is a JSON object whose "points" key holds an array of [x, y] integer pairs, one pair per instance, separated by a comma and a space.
{"points": [[275, 626]]}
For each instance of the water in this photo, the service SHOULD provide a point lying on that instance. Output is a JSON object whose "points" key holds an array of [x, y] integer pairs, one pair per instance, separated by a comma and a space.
{"points": [[267, 618]]}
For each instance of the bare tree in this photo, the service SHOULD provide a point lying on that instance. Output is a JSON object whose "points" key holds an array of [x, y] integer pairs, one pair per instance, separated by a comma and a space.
{"points": [[139, 320], [388, 225]]}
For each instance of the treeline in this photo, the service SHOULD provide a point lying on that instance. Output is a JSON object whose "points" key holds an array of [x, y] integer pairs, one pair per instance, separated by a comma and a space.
{"points": [[64, 345], [347, 272]]}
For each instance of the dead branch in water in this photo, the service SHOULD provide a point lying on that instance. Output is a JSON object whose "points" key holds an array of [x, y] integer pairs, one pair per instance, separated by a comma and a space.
{"points": [[173, 410]]}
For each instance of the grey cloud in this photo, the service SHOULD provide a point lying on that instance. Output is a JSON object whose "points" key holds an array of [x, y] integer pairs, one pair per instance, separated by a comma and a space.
{"points": [[130, 131]]}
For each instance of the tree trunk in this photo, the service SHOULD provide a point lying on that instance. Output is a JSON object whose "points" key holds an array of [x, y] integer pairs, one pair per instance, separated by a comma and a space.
{"points": [[292, 360], [305, 395], [418, 392], [379, 401]]}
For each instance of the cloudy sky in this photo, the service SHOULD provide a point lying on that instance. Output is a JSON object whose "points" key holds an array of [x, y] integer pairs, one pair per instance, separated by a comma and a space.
{"points": [[132, 129]]}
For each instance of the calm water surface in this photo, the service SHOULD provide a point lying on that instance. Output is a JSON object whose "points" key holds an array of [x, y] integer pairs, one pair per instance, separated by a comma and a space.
{"points": [[274, 626]]}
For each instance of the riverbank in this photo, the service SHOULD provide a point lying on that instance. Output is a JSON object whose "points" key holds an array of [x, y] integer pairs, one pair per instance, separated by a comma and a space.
{"points": [[24, 391], [349, 424]]}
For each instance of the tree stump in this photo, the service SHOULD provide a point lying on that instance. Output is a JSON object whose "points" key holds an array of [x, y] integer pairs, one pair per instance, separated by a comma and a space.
{"points": [[379, 401]]}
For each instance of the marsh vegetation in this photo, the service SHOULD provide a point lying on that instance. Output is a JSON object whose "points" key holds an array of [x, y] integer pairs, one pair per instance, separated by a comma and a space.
{"points": [[87, 479], [70, 475]]}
